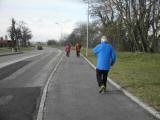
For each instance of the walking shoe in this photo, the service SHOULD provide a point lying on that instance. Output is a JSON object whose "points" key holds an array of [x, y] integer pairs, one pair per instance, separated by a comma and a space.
{"points": [[101, 88], [105, 89]]}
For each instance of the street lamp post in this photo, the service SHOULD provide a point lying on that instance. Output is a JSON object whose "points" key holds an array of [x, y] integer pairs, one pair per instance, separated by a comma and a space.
{"points": [[87, 29], [60, 30]]}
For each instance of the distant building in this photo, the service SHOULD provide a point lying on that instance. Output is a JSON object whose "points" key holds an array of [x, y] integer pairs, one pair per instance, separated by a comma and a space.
{"points": [[6, 43]]}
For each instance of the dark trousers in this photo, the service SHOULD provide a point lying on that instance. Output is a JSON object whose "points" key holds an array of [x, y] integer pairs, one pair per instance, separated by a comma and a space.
{"points": [[78, 53], [67, 53], [102, 77]]}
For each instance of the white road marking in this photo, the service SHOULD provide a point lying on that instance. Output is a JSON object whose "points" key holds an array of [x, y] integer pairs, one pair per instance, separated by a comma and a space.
{"points": [[44, 95], [18, 60]]}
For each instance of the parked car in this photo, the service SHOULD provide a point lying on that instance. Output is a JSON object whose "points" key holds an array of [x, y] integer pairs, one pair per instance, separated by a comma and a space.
{"points": [[39, 47]]}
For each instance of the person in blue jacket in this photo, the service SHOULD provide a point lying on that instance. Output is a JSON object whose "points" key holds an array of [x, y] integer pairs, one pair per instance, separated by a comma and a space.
{"points": [[106, 58]]}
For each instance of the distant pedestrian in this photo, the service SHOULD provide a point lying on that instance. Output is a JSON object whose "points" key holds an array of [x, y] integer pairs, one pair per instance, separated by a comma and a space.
{"points": [[106, 58], [78, 49], [68, 49]]}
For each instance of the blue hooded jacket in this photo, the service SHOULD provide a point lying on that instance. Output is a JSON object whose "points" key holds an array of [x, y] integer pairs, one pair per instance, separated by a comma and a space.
{"points": [[106, 55]]}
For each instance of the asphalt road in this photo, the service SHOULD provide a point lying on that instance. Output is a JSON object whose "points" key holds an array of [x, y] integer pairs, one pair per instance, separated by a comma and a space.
{"points": [[21, 83], [73, 95]]}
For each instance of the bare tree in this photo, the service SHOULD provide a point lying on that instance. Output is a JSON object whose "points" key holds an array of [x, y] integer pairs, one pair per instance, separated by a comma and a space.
{"points": [[79, 34], [26, 36], [19, 34], [133, 25], [12, 33]]}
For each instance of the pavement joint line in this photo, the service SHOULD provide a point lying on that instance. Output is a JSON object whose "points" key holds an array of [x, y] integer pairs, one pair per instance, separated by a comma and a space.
{"points": [[45, 90], [15, 61], [146, 107]]}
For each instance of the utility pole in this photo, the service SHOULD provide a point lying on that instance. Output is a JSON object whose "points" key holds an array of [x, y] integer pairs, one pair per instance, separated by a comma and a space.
{"points": [[61, 27], [87, 29]]}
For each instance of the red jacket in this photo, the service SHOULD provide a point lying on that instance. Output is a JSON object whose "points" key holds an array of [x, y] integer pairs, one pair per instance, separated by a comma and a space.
{"points": [[68, 48], [78, 47]]}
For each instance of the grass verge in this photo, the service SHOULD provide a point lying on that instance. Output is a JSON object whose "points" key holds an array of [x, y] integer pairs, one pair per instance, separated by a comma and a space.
{"points": [[27, 48], [8, 50], [139, 73], [5, 50]]}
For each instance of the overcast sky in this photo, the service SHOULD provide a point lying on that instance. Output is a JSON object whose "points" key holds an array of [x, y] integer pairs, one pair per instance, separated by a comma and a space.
{"points": [[41, 16]]}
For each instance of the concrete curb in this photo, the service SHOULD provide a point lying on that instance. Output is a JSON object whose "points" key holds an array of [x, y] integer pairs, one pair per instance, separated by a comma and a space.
{"points": [[44, 95], [6, 54], [149, 109]]}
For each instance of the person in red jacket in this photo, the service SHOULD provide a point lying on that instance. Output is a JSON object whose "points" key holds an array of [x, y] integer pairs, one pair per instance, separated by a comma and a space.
{"points": [[78, 49], [68, 49]]}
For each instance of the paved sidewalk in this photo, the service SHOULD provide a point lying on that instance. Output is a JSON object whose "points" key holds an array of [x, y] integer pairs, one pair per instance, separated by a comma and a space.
{"points": [[73, 95]]}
